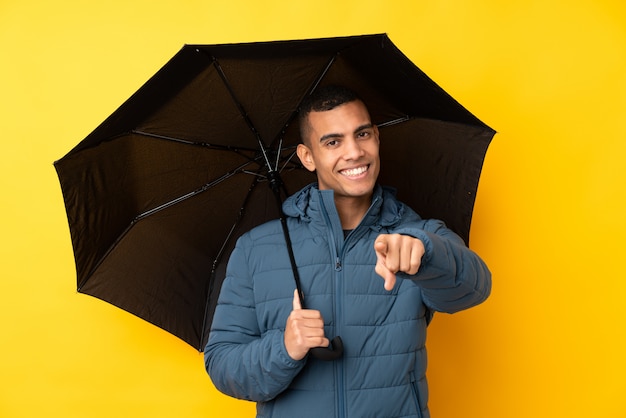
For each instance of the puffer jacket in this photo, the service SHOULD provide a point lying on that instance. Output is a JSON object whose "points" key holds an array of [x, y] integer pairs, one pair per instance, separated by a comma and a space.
{"points": [[383, 369]]}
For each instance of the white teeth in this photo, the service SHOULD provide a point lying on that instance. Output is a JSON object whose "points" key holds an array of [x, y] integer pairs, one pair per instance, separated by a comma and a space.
{"points": [[354, 171]]}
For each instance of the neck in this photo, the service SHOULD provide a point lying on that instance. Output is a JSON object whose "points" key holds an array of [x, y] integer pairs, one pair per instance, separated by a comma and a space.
{"points": [[352, 210]]}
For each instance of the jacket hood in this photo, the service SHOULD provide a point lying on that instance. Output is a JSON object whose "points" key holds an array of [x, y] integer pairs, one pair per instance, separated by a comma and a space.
{"points": [[385, 210]]}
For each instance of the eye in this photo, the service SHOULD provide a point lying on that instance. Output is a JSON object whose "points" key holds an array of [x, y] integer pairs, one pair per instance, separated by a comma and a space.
{"points": [[332, 143]]}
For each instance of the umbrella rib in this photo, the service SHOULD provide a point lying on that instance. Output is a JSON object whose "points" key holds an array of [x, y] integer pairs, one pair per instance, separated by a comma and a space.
{"points": [[394, 121], [198, 144], [287, 161], [234, 226], [202, 189], [242, 110], [280, 148], [323, 73], [221, 252], [256, 174]]}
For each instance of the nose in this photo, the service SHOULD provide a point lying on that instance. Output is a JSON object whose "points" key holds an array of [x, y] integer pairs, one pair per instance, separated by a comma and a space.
{"points": [[353, 150]]}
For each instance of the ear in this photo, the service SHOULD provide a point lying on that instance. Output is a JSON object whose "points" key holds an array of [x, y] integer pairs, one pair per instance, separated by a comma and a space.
{"points": [[306, 158]]}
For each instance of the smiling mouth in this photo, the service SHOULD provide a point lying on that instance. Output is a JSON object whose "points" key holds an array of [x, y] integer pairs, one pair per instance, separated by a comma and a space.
{"points": [[355, 172]]}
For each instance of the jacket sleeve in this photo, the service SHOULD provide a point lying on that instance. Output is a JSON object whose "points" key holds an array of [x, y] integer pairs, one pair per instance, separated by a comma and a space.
{"points": [[240, 361], [452, 277]]}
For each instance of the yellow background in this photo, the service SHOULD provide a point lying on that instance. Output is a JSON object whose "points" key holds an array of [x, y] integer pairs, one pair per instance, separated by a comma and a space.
{"points": [[549, 76]]}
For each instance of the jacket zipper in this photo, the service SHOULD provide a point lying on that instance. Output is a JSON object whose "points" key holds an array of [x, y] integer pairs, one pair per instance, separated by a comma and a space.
{"points": [[339, 293], [334, 254], [338, 254], [339, 364]]}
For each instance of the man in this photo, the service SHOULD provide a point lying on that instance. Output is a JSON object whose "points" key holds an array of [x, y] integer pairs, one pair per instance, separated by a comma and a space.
{"points": [[372, 272]]}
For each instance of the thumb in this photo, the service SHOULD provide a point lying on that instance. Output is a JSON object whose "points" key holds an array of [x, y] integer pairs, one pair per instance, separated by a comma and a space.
{"points": [[296, 300]]}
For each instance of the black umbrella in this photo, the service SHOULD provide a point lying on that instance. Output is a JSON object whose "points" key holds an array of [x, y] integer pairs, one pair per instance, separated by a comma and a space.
{"points": [[157, 195]]}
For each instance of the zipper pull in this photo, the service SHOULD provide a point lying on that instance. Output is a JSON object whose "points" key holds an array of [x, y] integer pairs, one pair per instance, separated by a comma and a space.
{"points": [[337, 264]]}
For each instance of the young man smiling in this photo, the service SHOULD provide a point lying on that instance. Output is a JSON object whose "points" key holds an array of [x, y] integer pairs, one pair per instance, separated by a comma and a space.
{"points": [[347, 233], [342, 147]]}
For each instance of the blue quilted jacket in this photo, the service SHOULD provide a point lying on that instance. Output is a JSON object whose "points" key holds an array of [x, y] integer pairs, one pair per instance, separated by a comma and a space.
{"points": [[383, 370]]}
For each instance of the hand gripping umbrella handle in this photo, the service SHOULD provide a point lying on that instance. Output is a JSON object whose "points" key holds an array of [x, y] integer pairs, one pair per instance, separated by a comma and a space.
{"points": [[335, 349]]}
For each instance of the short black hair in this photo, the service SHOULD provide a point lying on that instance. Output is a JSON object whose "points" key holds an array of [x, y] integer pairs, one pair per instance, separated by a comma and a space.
{"points": [[323, 99]]}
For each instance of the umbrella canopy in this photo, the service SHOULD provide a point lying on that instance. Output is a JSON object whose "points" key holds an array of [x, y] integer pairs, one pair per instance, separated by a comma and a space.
{"points": [[157, 195]]}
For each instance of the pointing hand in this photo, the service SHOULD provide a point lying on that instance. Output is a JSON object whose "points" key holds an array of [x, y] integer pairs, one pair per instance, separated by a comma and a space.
{"points": [[397, 253]]}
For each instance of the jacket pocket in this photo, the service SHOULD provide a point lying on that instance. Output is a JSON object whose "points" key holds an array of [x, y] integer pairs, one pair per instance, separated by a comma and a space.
{"points": [[416, 396]]}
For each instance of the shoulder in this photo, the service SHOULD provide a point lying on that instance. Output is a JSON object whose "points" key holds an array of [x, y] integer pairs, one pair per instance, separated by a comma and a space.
{"points": [[400, 218], [267, 234], [393, 212]]}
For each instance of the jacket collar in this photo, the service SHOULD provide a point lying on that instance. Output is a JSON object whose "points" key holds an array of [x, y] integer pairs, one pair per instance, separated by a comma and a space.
{"points": [[310, 203]]}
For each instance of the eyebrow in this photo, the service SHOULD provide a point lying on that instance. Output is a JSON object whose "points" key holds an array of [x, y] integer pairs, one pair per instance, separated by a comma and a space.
{"points": [[337, 135]]}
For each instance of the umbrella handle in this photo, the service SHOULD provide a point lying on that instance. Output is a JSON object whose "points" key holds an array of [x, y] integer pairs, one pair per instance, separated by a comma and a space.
{"points": [[332, 352]]}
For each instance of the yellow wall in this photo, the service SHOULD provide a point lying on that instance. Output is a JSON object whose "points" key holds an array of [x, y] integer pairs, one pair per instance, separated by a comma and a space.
{"points": [[549, 76]]}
